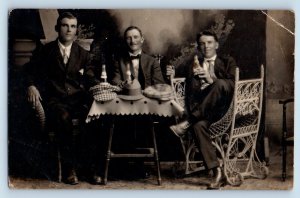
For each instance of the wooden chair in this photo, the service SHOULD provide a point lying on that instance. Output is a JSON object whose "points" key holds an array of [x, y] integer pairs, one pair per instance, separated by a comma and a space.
{"points": [[234, 135], [286, 140]]}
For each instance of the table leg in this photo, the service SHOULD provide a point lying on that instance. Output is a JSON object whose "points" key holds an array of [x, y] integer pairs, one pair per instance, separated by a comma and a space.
{"points": [[108, 155], [156, 155]]}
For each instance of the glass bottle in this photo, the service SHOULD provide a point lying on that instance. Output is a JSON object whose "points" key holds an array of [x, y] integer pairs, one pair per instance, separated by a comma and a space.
{"points": [[128, 74], [103, 76]]}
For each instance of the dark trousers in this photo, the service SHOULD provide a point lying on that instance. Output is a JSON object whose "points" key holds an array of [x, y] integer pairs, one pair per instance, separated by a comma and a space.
{"points": [[66, 119], [213, 102]]}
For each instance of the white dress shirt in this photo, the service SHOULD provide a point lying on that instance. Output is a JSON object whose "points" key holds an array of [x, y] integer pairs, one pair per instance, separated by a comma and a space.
{"points": [[136, 63], [64, 50], [206, 62]]}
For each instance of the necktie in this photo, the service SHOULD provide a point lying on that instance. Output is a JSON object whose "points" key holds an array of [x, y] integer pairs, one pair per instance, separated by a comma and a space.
{"points": [[65, 56], [211, 68], [211, 71]]}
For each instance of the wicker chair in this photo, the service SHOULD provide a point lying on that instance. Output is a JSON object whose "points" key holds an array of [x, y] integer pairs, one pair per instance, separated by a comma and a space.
{"points": [[234, 135], [52, 139], [40, 115]]}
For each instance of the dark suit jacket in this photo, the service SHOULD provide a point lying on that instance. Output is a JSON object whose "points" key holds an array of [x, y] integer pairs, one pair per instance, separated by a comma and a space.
{"points": [[224, 69], [149, 66], [53, 78]]}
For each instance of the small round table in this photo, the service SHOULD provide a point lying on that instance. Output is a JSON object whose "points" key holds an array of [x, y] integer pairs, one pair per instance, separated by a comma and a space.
{"points": [[145, 106]]}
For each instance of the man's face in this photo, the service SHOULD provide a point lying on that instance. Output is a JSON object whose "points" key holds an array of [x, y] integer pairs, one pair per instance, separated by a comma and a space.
{"points": [[134, 40], [208, 46], [67, 30]]}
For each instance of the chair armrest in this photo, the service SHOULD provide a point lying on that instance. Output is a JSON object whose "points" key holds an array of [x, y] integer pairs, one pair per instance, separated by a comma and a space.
{"points": [[40, 114]]}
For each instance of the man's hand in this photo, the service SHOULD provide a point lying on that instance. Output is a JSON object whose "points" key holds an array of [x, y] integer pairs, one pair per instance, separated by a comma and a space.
{"points": [[33, 95], [122, 84], [202, 74], [170, 71]]}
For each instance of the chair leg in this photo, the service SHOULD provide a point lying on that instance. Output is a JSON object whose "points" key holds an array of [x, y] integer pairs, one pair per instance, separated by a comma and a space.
{"points": [[156, 155], [283, 160], [59, 166], [283, 142], [284, 136]]}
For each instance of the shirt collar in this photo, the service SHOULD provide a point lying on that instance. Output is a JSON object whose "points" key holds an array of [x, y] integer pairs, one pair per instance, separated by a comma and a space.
{"points": [[62, 48], [139, 53], [211, 59]]}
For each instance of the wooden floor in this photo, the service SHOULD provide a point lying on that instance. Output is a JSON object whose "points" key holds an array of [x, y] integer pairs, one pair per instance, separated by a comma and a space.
{"points": [[170, 182]]}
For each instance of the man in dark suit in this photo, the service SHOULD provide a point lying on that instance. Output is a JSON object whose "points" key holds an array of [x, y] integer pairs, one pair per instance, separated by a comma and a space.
{"points": [[147, 71], [58, 76], [209, 91], [143, 67]]}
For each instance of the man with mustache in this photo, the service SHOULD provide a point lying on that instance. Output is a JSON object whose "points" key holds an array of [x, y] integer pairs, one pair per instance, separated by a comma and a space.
{"points": [[147, 71], [58, 76], [144, 68], [209, 91]]}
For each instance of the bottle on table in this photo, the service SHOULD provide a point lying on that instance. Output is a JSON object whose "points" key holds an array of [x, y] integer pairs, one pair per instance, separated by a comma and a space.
{"points": [[103, 76]]}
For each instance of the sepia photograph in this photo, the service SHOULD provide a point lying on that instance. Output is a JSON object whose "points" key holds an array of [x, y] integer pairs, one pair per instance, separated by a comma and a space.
{"points": [[168, 99]]}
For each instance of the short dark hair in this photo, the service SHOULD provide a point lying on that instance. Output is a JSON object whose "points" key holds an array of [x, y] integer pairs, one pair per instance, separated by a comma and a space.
{"points": [[206, 33], [132, 28], [68, 15]]}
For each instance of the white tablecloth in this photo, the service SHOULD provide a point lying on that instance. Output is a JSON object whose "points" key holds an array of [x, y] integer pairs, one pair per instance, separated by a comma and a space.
{"points": [[144, 106]]}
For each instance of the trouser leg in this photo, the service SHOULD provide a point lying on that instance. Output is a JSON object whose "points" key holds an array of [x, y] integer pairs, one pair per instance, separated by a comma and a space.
{"points": [[204, 143], [95, 145], [213, 101], [68, 141], [67, 134]]}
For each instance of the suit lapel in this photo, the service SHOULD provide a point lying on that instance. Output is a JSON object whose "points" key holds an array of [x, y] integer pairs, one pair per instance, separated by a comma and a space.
{"points": [[143, 63], [126, 60], [144, 70], [59, 57], [219, 66], [123, 68], [73, 56], [218, 63]]}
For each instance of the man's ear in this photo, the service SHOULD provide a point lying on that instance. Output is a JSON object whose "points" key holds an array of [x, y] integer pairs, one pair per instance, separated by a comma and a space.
{"points": [[142, 40], [217, 45]]}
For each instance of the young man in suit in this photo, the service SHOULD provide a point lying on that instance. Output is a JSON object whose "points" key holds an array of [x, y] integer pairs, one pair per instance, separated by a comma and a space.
{"points": [[58, 76], [209, 91]]}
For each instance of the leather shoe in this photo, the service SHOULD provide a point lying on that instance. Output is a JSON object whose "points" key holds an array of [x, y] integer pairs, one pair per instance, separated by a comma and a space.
{"points": [[181, 128], [217, 181], [72, 178], [97, 180]]}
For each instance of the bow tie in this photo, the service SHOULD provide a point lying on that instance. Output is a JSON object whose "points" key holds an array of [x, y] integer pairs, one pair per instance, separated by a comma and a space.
{"points": [[135, 57]]}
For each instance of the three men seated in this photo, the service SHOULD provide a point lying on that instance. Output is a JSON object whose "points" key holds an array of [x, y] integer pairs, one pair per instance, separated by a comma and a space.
{"points": [[60, 75]]}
